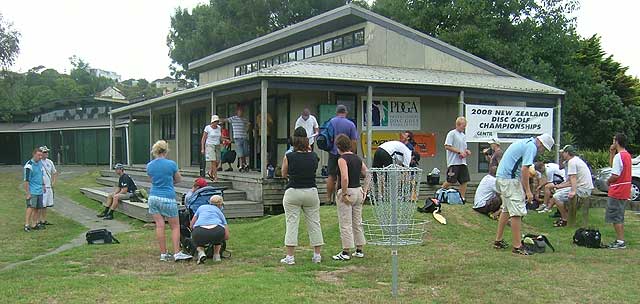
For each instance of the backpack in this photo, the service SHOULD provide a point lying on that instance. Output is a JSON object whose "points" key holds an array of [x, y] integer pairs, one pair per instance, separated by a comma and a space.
{"points": [[431, 205], [101, 236], [449, 196], [590, 238], [325, 138], [536, 243]]}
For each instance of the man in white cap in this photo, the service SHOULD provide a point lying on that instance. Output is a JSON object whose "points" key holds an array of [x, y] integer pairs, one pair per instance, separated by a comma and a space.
{"points": [[493, 154], [513, 185], [50, 175]]}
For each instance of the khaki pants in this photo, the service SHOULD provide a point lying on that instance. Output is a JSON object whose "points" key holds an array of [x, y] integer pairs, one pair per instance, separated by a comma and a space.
{"points": [[307, 201], [350, 218]]}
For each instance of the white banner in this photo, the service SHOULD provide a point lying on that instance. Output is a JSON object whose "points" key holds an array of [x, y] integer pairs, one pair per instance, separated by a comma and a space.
{"points": [[507, 124], [393, 113]]}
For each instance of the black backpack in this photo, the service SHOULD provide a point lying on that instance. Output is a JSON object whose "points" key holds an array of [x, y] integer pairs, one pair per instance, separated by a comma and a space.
{"points": [[590, 238], [536, 243], [101, 236], [431, 205]]}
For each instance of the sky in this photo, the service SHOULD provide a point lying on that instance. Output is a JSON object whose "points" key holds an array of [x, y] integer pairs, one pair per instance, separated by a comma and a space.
{"points": [[129, 36]]}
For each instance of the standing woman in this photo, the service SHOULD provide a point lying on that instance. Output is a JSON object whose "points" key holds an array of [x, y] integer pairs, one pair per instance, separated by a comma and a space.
{"points": [[210, 146], [301, 195], [349, 200], [162, 199]]}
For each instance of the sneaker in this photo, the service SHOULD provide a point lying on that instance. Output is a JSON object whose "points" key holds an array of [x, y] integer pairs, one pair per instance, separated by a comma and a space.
{"points": [[40, 226], [201, 257], [544, 210], [109, 216], [27, 228], [520, 250], [216, 258], [617, 245], [181, 256], [316, 259], [342, 256], [166, 257], [542, 207], [555, 215], [358, 254], [289, 260], [501, 244]]}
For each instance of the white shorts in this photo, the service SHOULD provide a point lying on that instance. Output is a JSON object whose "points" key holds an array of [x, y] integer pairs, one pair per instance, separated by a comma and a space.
{"points": [[47, 198], [562, 194], [212, 152], [512, 195]]}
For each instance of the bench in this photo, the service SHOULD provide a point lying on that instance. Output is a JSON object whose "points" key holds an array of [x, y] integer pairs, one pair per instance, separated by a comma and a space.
{"points": [[586, 203]]}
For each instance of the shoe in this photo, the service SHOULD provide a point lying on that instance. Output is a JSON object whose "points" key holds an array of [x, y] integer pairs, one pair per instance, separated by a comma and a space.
{"points": [[617, 245], [501, 244], [166, 257], [544, 210], [47, 223], [289, 260], [219, 169], [201, 257], [342, 256], [358, 254], [27, 228], [40, 226], [316, 259], [542, 207], [101, 214], [560, 223], [520, 250], [216, 258], [181, 256], [108, 216]]}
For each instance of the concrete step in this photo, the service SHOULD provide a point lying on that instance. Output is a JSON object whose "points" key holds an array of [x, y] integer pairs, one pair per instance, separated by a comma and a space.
{"points": [[229, 194], [142, 176], [232, 208]]}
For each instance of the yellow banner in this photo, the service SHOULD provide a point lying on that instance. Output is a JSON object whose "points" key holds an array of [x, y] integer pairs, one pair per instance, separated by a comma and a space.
{"points": [[425, 142]]}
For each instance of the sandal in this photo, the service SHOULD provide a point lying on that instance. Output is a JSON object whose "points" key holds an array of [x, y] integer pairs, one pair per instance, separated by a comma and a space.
{"points": [[493, 216], [520, 250], [560, 223], [501, 244], [210, 176]]}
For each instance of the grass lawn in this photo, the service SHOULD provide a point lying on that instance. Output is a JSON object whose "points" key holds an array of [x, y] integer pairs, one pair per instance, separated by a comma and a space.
{"points": [[456, 264]]}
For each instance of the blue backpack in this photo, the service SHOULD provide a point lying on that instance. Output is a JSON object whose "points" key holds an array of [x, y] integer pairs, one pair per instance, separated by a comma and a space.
{"points": [[324, 141], [449, 196]]}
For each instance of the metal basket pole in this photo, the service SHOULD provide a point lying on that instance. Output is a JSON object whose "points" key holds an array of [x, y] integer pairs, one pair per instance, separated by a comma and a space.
{"points": [[393, 197]]}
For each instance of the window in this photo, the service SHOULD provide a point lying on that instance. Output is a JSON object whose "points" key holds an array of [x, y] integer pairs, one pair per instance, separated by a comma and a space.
{"points": [[284, 58], [337, 44], [243, 69], [308, 52], [263, 64], [300, 54], [328, 47], [358, 38], [168, 126], [348, 40], [254, 66], [236, 71], [317, 50], [269, 62], [249, 68], [483, 164], [292, 56], [276, 60]]}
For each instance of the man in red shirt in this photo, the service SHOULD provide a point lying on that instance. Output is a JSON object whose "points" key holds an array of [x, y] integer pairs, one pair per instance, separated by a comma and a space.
{"points": [[619, 188]]}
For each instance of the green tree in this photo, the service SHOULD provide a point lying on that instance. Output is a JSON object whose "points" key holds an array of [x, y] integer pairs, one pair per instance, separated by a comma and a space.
{"points": [[220, 24], [9, 43]]}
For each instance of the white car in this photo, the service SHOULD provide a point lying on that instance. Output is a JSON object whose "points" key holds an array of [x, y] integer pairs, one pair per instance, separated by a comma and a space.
{"points": [[602, 175]]}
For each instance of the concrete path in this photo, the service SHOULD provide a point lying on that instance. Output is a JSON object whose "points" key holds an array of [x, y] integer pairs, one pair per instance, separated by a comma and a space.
{"points": [[84, 216]]}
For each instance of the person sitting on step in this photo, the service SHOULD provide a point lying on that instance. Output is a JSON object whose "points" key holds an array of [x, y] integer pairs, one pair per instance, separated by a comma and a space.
{"points": [[125, 190]]}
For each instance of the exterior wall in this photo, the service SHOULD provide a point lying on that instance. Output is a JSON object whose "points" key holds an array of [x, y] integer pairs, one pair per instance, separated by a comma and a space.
{"points": [[84, 147]]}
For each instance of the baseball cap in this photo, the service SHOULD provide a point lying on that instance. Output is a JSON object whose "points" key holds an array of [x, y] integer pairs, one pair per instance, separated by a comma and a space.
{"points": [[341, 109], [569, 149], [215, 118], [546, 140], [118, 166], [44, 149], [201, 182], [494, 141]]}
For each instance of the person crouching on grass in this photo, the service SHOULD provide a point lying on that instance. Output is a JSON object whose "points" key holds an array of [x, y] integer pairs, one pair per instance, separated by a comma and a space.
{"points": [[350, 197], [512, 183], [209, 226], [300, 167]]}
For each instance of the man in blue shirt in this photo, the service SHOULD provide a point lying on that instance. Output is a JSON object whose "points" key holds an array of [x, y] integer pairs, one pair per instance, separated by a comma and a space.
{"points": [[34, 189], [341, 125], [512, 184]]}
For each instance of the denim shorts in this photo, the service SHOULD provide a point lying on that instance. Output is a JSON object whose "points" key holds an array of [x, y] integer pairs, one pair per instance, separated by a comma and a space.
{"points": [[167, 207], [242, 147], [35, 201]]}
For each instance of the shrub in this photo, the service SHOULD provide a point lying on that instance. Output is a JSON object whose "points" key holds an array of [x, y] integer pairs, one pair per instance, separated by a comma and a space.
{"points": [[595, 158]]}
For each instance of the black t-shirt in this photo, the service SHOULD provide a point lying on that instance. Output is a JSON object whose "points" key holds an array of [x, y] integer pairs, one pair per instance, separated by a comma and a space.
{"points": [[302, 169], [354, 167], [126, 181]]}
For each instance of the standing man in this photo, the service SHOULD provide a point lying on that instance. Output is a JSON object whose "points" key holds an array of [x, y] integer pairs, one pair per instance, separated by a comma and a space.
{"points": [[310, 124], [240, 127], [579, 183], [50, 175], [512, 183], [457, 152], [125, 190], [34, 188], [619, 188], [341, 125], [493, 154]]}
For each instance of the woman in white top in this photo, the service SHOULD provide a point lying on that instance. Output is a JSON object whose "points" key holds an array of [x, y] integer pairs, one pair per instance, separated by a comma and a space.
{"points": [[210, 146]]}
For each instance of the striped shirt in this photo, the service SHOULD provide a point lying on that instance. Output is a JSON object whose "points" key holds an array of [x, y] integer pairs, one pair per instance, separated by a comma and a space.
{"points": [[239, 126]]}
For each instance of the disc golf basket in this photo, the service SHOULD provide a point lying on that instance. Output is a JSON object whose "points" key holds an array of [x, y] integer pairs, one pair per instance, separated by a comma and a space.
{"points": [[393, 192]]}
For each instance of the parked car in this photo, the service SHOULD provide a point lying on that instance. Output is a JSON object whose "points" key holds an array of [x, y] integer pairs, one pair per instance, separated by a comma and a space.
{"points": [[603, 175]]}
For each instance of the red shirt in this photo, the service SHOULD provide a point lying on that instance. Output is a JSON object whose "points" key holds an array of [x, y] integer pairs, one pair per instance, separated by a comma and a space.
{"points": [[621, 188]]}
